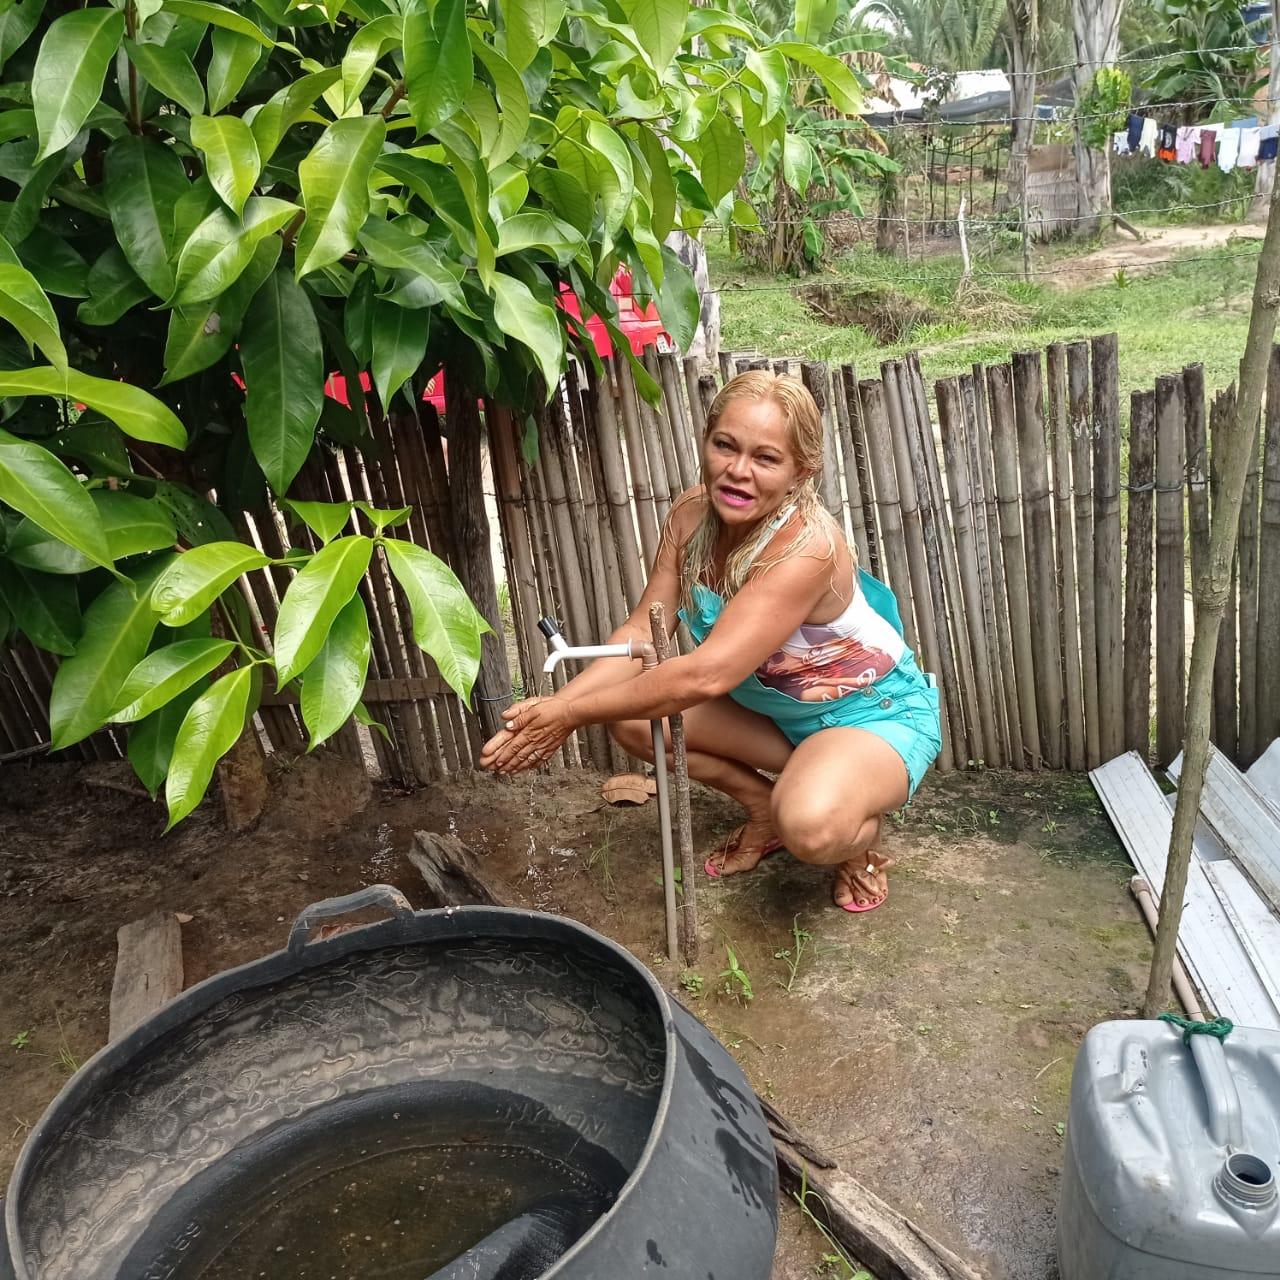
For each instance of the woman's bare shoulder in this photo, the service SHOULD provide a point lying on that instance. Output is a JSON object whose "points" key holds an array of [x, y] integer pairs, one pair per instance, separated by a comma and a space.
{"points": [[686, 511]]}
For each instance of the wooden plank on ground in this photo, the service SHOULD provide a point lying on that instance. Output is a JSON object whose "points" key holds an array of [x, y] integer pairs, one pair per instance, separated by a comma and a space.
{"points": [[148, 970], [1216, 959], [1253, 921], [1264, 774], [1245, 822]]}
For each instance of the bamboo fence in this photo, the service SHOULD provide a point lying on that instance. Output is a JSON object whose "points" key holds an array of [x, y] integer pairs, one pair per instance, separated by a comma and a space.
{"points": [[1043, 571]]}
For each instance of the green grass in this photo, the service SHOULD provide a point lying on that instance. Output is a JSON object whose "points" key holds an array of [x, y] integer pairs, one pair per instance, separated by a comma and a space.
{"points": [[1193, 309]]}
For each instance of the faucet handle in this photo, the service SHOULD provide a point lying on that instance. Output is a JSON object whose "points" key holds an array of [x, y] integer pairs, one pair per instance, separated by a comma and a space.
{"points": [[549, 627]]}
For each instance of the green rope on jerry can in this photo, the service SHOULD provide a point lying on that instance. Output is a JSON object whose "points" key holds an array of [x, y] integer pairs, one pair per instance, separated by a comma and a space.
{"points": [[1219, 1028]]}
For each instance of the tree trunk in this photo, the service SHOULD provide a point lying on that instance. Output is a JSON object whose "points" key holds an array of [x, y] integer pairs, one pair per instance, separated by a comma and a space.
{"points": [[1023, 22], [475, 557], [1267, 169], [1096, 28], [1210, 601]]}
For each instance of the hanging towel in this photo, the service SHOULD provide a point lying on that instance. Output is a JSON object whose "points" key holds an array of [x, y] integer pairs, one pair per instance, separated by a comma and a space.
{"points": [[1268, 142], [1168, 144], [1134, 129], [1120, 143], [1250, 140], [1147, 143], [1188, 141], [1228, 149], [1208, 145]]}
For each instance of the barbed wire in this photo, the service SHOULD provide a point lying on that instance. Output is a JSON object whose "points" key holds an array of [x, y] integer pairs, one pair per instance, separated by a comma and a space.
{"points": [[1063, 267]]}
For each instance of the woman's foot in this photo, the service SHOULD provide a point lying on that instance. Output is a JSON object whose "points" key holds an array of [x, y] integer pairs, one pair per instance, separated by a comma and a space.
{"points": [[744, 848], [862, 883]]}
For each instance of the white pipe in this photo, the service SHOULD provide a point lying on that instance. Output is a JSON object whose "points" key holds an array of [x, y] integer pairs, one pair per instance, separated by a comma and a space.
{"points": [[563, 651], [1181, 984]]}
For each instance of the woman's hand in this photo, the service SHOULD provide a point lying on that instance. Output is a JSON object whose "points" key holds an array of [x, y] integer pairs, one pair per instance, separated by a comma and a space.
{"points": [[536, 729]]}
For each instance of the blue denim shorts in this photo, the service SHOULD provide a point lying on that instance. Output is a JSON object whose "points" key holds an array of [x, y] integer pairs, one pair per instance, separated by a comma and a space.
{"points": [[901, 707]]}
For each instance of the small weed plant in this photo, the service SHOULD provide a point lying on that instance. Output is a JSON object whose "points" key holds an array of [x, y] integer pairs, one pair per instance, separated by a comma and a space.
{"points": [[793, 955], [737, 982]]}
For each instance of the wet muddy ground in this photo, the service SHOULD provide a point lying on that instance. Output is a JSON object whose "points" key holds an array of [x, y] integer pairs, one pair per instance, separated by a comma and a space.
{"points": [[927, 1045]]}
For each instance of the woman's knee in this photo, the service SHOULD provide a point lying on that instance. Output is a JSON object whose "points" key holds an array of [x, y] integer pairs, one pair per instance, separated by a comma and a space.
{"points": [[815, 830], [633, 736]]}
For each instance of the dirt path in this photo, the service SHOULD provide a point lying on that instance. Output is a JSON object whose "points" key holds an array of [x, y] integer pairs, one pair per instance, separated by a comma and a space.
{"points": [[1157, 247], [927, 1045]]}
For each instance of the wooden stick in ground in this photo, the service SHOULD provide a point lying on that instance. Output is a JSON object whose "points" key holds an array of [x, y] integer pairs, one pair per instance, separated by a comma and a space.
{"points": [[642, 487], [1106, 544], [1269, 567], [660, 420], [951, 418], [1247, 559], [813, 373], [1171, 567], [1042, 578], [1197, 457], [1239, 444], [1060, 455], [683, 819], [857, 523], [857, 431], [984, 464], [1081, 428], [707, 392], [1137, 578], [697, 413], [1226, 707], [682, 437], [608, 446]]}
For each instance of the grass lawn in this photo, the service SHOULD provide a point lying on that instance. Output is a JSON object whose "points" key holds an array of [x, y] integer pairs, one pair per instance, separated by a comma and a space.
{"points": [[1196, 308]]}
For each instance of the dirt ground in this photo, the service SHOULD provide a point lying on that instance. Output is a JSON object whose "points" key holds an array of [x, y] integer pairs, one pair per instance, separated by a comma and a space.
{"points": [[1157, 245], [928, 1045]]}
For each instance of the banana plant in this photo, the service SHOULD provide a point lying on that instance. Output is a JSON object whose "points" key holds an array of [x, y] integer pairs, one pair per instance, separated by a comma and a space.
{"points": [[208, 208]]}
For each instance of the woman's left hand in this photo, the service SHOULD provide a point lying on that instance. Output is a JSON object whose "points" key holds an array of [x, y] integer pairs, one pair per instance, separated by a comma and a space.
{"points": [[536, 729]]}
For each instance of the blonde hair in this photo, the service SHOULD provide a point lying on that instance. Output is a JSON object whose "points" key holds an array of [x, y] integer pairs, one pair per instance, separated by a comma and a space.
{"points": [[803, 422]]}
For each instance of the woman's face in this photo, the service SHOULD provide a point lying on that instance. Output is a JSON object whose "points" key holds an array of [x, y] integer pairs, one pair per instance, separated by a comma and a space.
{"points": [[748, 463]]}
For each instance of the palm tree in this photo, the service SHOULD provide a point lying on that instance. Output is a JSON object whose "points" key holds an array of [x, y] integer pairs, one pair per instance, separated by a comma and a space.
{"points": [[955, 35]]}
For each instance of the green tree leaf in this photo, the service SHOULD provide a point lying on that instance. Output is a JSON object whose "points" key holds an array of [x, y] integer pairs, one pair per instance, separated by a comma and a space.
{"points": [[24, 305], [70, 68], [54, 263], [539, 230], [218, 16], [196, 578], [660, 26], [30, 546], [282, 111], [134, 411], [151, 740], [231, 62], [208, 731], [38, 485], [616, 197], [222, 246], [513, 102], [133, 524], [325, 519], [399, 344], [333, 683], [17, 22], [841, 84], [45, 609], [283, 362], [231, 157], [144, 182], [114, 287], [438, 70], [166, 672], [723, 156], [770, 70], [446, 625], [202, 333], [367, 47], [392, 246], [383, 519], [521, 316], [797, 163], [118, 627], [678, 301], [313, 599], [170, 71], [335, 189]]}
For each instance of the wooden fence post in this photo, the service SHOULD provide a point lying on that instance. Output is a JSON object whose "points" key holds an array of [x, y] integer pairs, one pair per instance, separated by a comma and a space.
{"points": [[1171, 566], [1106, 544], [1247, 697], [813, 373], [856, 525], [1137, 587], [858, 438], [1226, 708], [1269, 567], [1081, 428]]}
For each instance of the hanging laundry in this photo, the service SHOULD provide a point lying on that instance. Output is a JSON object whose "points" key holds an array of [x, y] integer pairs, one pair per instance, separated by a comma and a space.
{"points": [[1208, 144], [1147, 142], [1250, 140], [1134, 129], [1120, 143], [1188, 141], [1268, 142], [1228, 149], [1166, 150]]}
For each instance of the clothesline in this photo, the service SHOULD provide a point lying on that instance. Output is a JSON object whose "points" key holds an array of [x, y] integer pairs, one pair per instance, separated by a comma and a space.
{"points": [[1240, 144]]}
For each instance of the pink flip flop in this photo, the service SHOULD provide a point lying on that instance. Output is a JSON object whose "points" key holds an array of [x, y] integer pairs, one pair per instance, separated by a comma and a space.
{"points": [[710, 865], [866, 906]]}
